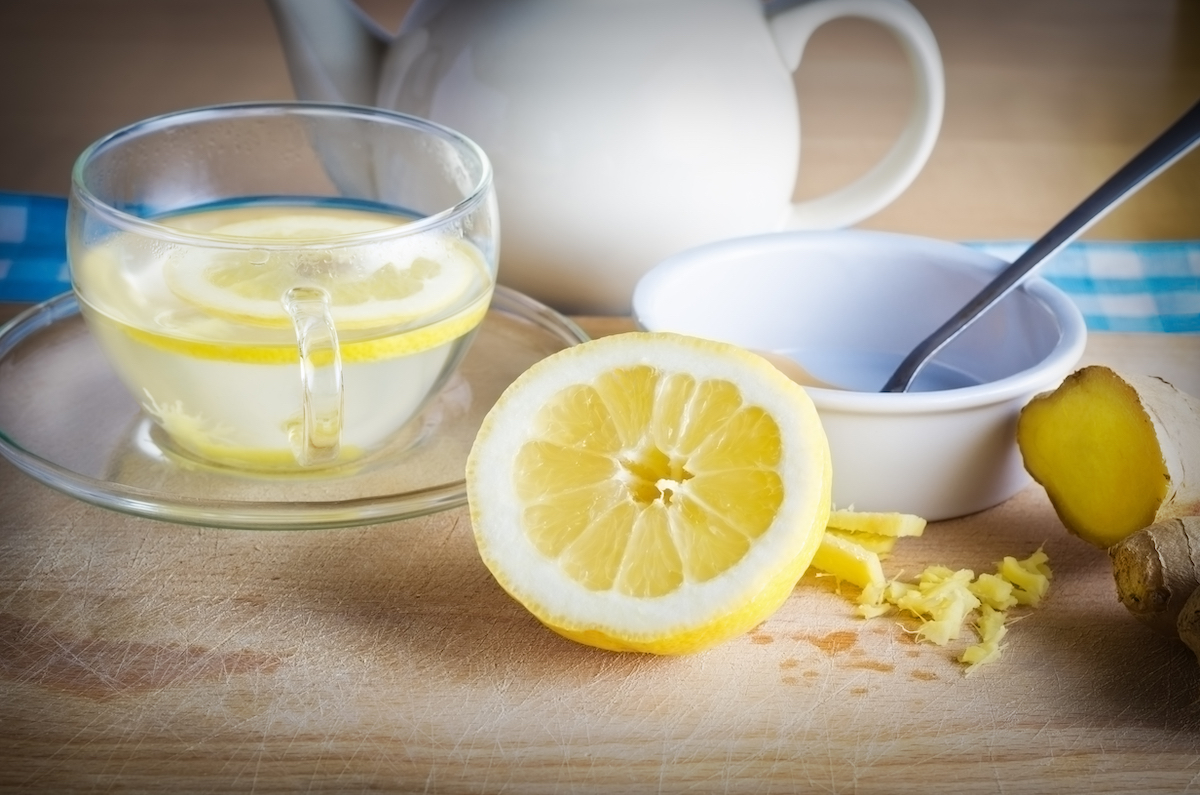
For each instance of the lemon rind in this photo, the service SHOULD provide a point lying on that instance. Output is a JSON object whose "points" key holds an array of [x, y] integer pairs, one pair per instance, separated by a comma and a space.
{"points": [[404, 343]]}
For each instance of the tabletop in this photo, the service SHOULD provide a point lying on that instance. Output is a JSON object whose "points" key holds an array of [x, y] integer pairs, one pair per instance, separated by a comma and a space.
{"points": [[138, 655]]}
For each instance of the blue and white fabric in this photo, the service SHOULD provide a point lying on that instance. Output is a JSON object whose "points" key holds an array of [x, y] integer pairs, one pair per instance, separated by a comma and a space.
{"points": [[1119, 286]]}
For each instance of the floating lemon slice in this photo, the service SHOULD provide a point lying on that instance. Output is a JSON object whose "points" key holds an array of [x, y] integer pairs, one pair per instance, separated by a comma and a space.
{"points": [[370, 284], [305, 225], [650, 492]]}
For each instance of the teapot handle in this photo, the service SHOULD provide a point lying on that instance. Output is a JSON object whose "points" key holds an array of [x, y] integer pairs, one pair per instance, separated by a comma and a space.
{"points": [[889, 177]]}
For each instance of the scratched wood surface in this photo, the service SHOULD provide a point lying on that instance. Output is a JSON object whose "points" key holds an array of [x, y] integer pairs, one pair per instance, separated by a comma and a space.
{"points": [[144, 656]]}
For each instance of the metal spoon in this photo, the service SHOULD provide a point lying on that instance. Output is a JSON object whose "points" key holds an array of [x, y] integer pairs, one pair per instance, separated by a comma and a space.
{"points": [[1173, 144]]}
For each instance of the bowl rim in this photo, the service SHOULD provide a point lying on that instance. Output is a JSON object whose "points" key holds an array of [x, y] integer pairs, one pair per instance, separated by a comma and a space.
{"points": [[1040, 376]]}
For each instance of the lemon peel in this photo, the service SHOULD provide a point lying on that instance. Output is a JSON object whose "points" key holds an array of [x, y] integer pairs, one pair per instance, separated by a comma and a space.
{"points": [[400, 344]]}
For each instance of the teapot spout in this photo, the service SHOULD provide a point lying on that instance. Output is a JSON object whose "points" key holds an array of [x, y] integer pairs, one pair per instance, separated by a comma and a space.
{"points": [[333, 51]]}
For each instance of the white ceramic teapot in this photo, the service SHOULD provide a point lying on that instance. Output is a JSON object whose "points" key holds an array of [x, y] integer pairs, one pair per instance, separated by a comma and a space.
{"points": [[620, 131]]}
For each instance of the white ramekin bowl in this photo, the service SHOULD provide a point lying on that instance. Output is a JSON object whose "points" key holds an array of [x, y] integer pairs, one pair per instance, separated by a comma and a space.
{"points": [[848, 306]]}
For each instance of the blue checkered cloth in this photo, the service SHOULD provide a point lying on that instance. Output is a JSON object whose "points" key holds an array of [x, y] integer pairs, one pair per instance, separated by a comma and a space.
{"points": [[33, 247], [1152, 286]]}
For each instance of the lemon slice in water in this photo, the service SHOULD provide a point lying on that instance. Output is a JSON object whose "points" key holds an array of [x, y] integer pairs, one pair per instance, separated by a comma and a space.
{"points": [[371, 284], [650, 492]]}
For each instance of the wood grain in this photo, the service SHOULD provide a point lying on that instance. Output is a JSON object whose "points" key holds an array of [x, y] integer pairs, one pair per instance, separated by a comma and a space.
{"points": [[144, 656], [139, 656]]}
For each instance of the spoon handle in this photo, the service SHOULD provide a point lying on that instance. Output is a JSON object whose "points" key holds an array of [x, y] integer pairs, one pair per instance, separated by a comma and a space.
{"points": [[1173, 144]]}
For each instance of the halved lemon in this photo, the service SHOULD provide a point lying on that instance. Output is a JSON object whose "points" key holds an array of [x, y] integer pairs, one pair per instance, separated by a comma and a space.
{"points": [[650, 492], [370, 284]]}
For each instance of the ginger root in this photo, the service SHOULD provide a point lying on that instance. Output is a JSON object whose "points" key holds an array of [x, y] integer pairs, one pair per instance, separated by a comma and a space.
{"points": [[1115, 453], [1156, 570], [1188, 624]]}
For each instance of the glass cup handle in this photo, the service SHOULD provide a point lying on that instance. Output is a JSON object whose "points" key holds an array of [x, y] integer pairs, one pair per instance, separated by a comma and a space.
{"points": [[318, 437]]}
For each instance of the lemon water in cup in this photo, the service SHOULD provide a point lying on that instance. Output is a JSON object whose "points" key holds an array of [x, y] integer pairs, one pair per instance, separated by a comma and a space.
{"points": [[283, 286]]}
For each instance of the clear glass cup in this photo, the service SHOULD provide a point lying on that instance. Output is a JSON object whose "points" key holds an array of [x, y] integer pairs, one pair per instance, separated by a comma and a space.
{"points": [[283, 286]]}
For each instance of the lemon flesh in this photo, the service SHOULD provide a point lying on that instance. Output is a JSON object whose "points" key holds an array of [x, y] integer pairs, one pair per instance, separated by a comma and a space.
{"points": [[650, 492], [390, 281]]}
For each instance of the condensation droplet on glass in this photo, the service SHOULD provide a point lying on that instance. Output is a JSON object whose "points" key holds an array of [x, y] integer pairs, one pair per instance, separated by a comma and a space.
{"points": [[258, 256]]}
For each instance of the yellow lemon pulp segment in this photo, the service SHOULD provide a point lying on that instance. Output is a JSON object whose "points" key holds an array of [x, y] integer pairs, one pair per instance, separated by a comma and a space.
{"points": [[650, 492]]}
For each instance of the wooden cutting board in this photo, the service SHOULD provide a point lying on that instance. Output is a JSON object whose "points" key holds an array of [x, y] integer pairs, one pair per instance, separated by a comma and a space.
{"points": [[142, 656]]}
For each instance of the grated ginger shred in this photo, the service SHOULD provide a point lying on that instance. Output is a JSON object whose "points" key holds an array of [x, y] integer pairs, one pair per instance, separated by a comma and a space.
{"points": [[944, 599]]}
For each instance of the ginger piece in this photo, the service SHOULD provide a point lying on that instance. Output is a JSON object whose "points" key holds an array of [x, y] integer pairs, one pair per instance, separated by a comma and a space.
{"points": [[846, 560], [991, 630], [879, 544], [1114, 452], [856, 542], [1030, 577], [1157, 569], [873, 603], [993, 591], [896, 525], [942, 599], [877, 600], [895, 590]]}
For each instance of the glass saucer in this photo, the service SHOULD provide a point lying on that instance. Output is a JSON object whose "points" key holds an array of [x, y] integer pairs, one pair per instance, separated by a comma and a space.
{"points": [[67, 421]]}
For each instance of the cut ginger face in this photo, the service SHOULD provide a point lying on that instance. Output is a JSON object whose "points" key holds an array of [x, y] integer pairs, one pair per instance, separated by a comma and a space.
{"points": [[1095, 449]]}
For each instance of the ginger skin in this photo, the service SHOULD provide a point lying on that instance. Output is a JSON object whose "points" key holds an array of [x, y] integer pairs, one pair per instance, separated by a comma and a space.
{"points": [[1156, 569], [1188, 623]]}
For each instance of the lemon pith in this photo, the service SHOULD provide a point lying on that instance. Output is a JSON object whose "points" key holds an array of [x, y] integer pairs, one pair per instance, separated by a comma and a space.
{"points": [[650, 492]]}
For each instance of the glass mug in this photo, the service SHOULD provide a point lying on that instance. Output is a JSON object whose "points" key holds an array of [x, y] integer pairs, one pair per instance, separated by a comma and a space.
{"points": [[266, 312]]}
